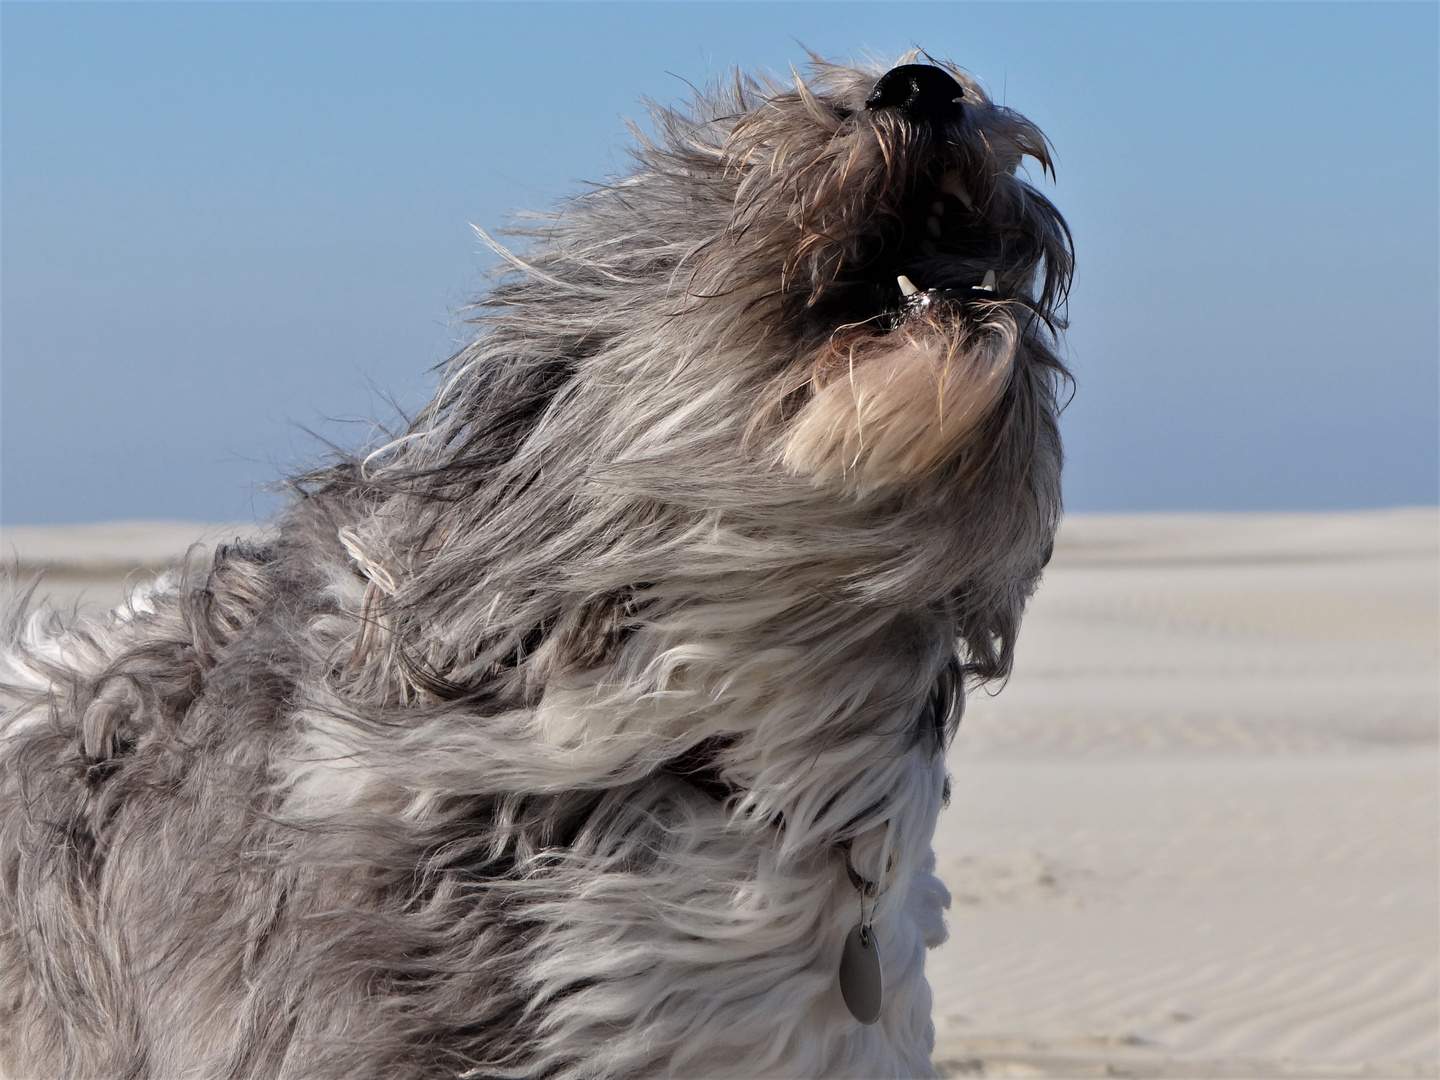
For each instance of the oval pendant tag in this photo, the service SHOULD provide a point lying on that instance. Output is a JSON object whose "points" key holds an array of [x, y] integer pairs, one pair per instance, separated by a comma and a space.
{"points": [[860, 975]]}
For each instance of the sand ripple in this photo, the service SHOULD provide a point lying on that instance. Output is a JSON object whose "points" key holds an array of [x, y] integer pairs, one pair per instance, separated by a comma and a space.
{"points": [[1197, 834]]}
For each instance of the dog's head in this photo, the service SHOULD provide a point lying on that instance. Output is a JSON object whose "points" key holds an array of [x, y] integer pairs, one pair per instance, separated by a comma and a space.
{"points": [[861, 241], [830, 304], [916, 271]]}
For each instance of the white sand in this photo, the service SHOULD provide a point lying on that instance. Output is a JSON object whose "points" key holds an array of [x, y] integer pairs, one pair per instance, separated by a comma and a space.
{"points": [[92, 566], [1197, 833]]}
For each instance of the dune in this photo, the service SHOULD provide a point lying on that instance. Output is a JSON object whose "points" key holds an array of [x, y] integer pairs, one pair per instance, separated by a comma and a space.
{"points": [[1194, 836]]}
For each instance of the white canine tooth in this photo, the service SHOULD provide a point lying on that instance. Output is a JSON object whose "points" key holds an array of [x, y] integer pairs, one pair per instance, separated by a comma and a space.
{"points": [[933, 224], [989, 283], [906, 285], [953, 185]]}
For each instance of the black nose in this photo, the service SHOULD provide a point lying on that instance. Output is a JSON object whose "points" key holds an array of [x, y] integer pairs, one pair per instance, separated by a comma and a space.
{"points": [[921, 92]]}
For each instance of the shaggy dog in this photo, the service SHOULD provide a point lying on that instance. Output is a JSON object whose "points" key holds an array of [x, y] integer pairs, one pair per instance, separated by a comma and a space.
{"points": [[592, 726]]}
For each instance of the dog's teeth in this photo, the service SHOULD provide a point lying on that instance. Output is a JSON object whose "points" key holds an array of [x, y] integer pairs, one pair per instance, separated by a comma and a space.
{"points": [[953, 185], [989, 283], [933, 224], [906, 285], [937, 207]]}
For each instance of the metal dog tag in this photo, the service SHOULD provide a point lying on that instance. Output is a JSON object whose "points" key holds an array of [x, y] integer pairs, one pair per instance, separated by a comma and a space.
{"points": [[860, 974]]}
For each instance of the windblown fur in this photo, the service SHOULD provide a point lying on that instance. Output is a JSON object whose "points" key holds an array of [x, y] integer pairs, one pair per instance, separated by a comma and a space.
{"points": [[536, 742]]}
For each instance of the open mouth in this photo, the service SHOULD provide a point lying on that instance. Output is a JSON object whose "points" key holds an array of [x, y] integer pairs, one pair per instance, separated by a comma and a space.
{"points": [[941, 250]]}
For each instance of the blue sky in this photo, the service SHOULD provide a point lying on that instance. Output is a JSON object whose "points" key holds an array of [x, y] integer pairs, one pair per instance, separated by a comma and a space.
{"points": [[225, 225]]}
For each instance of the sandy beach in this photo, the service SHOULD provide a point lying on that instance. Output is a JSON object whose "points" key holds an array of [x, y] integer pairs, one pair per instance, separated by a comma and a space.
{"points": [[1195, 836]]}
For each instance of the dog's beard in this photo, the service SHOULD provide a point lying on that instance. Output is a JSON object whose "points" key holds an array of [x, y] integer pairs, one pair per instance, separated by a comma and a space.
{"points": [[886, 409]]}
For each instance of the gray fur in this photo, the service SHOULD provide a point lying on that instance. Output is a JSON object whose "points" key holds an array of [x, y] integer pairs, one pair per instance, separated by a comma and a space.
{"points": [[536, 741]]}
